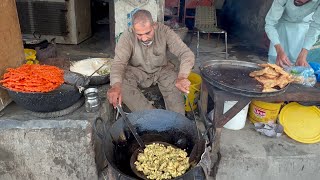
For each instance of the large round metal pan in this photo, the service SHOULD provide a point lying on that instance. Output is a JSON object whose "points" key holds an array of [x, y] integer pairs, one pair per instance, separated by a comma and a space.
{"points": [[91, 65], [152, 126], [233, 76], [63, 97]]}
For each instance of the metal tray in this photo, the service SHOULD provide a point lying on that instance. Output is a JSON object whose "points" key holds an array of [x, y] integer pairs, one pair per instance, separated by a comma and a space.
{"points": [[233, 76]]}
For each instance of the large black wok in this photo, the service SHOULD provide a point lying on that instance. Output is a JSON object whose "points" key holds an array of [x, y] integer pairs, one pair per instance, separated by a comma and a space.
{"points": [[61, 98], [152, 125]]}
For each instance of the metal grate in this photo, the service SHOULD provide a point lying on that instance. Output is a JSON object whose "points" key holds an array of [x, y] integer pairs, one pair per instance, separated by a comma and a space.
{"points": [[42, 17]]}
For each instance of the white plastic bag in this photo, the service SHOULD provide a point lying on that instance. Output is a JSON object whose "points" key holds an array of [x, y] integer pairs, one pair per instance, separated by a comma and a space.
{"points": [[302, 75]]}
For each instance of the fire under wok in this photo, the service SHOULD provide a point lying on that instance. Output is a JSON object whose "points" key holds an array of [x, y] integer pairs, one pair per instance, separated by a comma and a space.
{"points": [[157, 125]]}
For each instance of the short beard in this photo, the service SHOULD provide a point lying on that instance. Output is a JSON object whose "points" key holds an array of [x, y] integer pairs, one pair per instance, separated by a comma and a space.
{"points": [[297, 4], [146, 44]]}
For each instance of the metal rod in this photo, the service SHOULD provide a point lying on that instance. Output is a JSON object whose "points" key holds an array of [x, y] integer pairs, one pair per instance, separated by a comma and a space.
{"points": [[194, 115], [97, 70], [198, 43], [132, 129], [87, 80], [226, 42]]}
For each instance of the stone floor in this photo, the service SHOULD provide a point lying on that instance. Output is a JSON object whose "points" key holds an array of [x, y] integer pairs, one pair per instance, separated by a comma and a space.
{"points": [[245, 154]]}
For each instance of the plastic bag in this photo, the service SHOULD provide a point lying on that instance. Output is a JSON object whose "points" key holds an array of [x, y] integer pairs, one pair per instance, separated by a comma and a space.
{"points": [[48, 52], [316, 67], [302, 75], [270, 129]]}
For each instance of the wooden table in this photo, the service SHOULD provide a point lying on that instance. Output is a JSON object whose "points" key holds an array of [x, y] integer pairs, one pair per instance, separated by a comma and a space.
{"points": [[293, 93]]}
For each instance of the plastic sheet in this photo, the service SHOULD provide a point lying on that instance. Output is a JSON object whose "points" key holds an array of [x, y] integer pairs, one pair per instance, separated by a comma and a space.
{"points": [[316, 67], [302, 75]]}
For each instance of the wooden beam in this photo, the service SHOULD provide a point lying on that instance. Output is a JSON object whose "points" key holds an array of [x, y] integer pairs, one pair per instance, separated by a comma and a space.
{"points": [[11, 46]]}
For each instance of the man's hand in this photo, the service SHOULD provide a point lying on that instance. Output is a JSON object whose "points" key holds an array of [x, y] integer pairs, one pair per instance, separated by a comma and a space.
{"points": [[183, 84], [114, 94], [302, 58], [282, 59]]}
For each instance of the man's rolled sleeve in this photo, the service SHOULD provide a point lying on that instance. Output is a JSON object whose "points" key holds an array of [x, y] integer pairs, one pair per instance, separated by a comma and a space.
{"points": [[272, 18], [314, 30], [123, 53], [182, 51]]}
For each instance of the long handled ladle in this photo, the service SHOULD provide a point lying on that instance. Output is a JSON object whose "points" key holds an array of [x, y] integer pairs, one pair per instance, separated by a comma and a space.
{"points": [[132, 129], [81, 86], [87, 80]]}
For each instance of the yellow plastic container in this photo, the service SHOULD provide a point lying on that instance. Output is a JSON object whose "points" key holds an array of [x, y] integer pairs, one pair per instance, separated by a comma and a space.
{"points": [[194, 91], [301, 123], [30, 54], [264, 112]]}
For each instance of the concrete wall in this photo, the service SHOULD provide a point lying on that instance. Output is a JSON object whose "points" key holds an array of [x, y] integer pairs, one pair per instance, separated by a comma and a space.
{"points": [[123, 8], [36, 149], [245, 19]]}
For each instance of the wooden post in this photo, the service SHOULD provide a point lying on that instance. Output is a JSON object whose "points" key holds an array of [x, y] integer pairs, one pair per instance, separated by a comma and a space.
{"points": [[11, 47]]}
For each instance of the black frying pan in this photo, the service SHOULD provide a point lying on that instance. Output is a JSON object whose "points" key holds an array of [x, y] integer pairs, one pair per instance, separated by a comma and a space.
{"points": [[152, 126], [193, 158], [61, 98]]}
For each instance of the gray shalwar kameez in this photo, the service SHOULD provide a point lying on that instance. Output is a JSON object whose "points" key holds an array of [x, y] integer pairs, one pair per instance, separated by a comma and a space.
{"points": [[136, 65]]}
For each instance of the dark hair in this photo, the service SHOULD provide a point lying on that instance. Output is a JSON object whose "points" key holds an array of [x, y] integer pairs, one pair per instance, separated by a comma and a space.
{"points": [[142, 16]]}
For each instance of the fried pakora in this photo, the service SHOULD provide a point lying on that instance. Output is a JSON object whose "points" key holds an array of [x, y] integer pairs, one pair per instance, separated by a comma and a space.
{"points": [[271, 76], [162, 162]]}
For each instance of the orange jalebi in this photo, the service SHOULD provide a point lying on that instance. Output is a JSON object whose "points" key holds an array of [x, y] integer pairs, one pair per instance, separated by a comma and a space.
{"points": [[33, 78]]}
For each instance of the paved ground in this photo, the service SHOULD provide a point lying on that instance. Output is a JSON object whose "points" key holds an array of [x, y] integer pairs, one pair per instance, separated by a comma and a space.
{"points": [[245, 154]]}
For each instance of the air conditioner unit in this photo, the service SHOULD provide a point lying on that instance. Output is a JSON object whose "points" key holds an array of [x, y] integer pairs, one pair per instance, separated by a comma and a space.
{"points": [[69, 21]]}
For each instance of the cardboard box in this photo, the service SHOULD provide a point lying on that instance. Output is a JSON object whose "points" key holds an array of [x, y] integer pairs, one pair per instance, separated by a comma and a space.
{"points": [[11, 46]]}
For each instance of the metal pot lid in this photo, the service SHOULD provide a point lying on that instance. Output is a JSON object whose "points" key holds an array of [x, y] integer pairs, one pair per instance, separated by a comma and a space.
{"points": [[233, 76]]}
